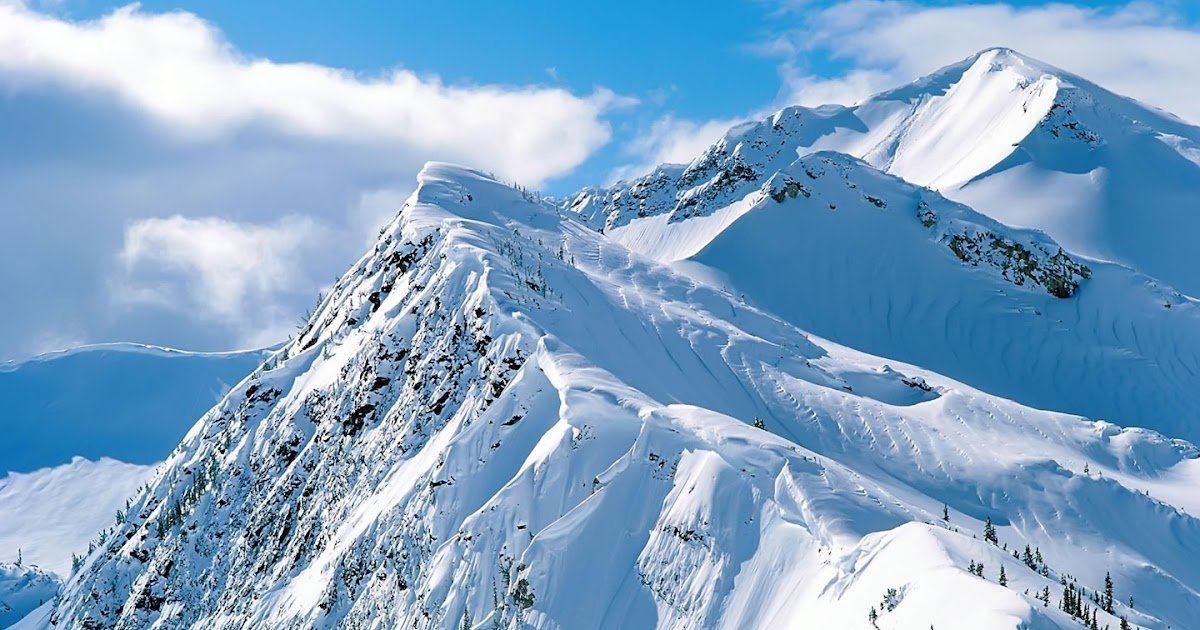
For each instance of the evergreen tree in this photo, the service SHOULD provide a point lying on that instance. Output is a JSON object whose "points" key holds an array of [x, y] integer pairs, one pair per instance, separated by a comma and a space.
{"points": [[989, 532], [1125, 624], [946, 513], [1003, 577], [1108, 593]]}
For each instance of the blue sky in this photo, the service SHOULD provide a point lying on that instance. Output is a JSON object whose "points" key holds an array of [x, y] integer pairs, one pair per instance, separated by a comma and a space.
{"points": [[692, 61], [192, 174]]}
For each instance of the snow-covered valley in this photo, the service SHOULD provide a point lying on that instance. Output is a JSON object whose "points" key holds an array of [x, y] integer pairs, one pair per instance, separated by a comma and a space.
{"points": [[784, 385]]}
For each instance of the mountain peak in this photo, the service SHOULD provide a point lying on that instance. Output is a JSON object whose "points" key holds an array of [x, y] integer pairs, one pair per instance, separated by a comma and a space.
{"points": [[1009, 57]]}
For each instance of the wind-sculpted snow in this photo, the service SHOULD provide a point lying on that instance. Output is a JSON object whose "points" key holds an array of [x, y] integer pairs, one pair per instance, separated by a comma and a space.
{"points": [[502, 418], [863, 258]]}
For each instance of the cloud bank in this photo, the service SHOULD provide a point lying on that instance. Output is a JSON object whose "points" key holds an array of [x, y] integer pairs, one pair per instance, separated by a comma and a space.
{"points": [[178, 69]]}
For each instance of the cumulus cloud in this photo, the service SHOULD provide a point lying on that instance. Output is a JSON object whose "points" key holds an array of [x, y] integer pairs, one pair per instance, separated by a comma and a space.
{"points": [[1138, 49], [127, 136], [179, 69], [216, 270]]}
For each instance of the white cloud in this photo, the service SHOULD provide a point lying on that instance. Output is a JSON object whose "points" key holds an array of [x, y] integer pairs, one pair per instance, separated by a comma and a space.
{"points": [[810, 91], [180, 70], [1137, 49], [670, 140], [125, 137], [215, 270]]}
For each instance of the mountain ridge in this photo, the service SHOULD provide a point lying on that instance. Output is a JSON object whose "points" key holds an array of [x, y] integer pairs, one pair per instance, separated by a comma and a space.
{"points": [[449, 436], [1019, 140], [627, 410]]}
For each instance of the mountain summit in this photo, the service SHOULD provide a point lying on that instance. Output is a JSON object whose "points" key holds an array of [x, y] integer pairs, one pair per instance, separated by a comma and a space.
{"points": [[1035, 146], [609, 413]]}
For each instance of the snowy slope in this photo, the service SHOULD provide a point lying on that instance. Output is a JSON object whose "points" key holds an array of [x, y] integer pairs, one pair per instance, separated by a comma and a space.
{"points": [[502, 418], [52, 513], [854, 255], [24, 588], [1017, 139], [877, 264], [129, 402], [1035, 146]]}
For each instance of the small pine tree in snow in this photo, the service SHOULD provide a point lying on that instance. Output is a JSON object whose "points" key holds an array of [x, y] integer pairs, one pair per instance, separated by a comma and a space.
{"points": [[989, 532], [1107, 600], [1003, 577], [891, 599], [977, 568], [946, 513]]}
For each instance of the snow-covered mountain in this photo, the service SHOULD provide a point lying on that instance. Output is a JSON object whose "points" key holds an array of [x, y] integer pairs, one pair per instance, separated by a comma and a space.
{"points": [[501, 417], [1024, 142], [108, 403], [24, 588], [840, 253], [129, 402], [1035, 146]]}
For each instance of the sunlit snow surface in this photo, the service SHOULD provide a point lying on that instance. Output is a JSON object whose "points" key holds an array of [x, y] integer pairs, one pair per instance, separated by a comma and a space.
{"points": [[501, 417], [1019, 140]]}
